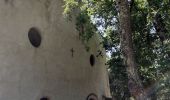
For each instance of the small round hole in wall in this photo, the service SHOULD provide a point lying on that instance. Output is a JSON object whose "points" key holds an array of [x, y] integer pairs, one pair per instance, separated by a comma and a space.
{"points": [[92, 96], [92, 60], [44, 98], [34, 37]]}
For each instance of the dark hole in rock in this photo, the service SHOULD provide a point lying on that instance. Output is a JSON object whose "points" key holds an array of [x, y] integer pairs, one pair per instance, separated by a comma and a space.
{"points": [[44, 98], [92, 96], [34, 37], [92, 60]]}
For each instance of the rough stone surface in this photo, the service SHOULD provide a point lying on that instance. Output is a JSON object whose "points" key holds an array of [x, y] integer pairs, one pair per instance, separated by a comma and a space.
{"points": [[29, 73]]}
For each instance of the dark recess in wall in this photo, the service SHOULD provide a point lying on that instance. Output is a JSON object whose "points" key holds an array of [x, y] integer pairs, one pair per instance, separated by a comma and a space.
{"points": [[44, 98], [92, 96], [34, 37], [92, 60]]}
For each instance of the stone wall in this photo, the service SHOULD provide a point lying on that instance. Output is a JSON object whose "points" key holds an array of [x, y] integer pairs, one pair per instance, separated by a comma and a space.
{"points": [[59, 68]]}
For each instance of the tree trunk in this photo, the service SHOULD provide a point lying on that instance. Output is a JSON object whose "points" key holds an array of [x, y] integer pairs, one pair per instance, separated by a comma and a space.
{"points": [[134, 84]]}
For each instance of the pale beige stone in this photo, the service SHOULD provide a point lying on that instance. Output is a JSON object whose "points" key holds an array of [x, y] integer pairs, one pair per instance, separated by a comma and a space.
{"points": [[29, 73]]}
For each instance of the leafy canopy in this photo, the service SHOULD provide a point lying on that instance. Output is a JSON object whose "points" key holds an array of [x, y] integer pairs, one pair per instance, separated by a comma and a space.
{"points": [[151, 32]]}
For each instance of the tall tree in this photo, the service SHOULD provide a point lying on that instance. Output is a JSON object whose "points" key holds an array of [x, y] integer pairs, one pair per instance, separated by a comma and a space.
{"points": [[134, 82], [145, 43]]}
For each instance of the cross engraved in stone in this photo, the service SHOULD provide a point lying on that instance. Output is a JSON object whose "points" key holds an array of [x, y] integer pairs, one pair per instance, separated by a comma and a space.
{"points": [[72, 52]]}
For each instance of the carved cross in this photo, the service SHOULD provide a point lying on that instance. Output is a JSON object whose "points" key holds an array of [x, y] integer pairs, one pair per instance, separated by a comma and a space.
{"points": [[72, 52]]}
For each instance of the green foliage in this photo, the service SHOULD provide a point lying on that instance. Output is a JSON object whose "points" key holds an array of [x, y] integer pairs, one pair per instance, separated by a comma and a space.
{"points": [[83, 21], [118, 76], [85, 26], [70, 6], [151, 42]]}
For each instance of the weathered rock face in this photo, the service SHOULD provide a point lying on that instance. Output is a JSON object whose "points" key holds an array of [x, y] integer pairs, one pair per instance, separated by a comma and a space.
{"points": [[41, 55]]}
